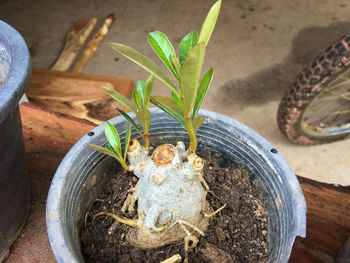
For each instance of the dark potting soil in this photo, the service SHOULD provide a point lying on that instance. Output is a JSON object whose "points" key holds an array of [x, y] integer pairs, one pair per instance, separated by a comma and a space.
{"points": [[236, 234]]}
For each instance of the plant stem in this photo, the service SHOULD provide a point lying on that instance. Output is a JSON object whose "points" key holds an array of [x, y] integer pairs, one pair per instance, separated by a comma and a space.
{"points": [[124, 165], [192, 134], [146, 140]]}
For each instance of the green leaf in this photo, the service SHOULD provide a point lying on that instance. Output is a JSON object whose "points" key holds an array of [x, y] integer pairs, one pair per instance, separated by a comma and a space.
{"points": [[186, 45], [176, 65], [148, 91], [109, 147], [127, 141], [144, 118], [131, 121], [209, 23], [164, 49], [103, 150], [190, 76], [140, 87], [177, 99], [120, 98], [170, 107], [137, 99], [113, 138], [144, 62], [197, 122], [202, 91]]}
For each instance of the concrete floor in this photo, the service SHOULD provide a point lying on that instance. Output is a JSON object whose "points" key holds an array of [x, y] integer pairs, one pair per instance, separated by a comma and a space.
{"points": [[256, 50]]}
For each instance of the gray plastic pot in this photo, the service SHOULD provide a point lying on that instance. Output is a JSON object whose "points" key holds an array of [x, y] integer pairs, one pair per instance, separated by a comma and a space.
{"points": [[14, 186], [83, 172]]}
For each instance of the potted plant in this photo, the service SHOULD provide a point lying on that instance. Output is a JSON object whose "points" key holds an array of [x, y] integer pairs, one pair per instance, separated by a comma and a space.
{"points": [[169, 201], [14, 184]]}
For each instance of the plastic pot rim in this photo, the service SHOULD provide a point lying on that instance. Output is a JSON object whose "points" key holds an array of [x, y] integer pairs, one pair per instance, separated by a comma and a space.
{"points": [[16, 80]]}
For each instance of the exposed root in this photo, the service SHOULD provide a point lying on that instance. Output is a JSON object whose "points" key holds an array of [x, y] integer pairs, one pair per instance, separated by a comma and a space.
{"points": [[214, 213], [160, 229], [113, 227], [204, 183], [85, 219], [129, 203], [193, 239], [174, 259], [126, 221], [182, 223]]}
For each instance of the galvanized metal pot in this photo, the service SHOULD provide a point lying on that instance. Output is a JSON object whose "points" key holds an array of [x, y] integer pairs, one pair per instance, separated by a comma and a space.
{"points": [[83, 172], [15, 71]]}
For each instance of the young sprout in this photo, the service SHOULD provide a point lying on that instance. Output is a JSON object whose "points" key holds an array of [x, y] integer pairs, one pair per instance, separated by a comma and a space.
{"points": [[187, 98], [113, 147], [141, 97]]}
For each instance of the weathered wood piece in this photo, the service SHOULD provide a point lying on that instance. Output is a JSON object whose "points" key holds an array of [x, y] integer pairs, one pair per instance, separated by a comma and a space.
{"points": [[74, 42], [47, 136], [328, 222], [93, 45], [77, 94]]}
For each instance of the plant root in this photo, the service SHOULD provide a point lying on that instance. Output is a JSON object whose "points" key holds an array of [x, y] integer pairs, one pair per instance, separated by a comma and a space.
{"points": [[126, 221], [204, 183], [129, 203], [214, 213], [113, 227], [174, 259]]}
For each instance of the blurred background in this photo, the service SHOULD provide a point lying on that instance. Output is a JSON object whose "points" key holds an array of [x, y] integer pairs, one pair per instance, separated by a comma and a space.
{"points": [[256, 50]]}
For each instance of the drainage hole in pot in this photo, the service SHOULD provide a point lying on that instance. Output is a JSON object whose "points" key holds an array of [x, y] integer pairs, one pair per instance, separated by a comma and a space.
{"points": [[274, 151], [91, 133]]}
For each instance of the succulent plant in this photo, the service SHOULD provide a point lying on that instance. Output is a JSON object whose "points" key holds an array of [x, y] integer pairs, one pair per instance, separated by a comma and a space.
{"points": [[170, 190]]}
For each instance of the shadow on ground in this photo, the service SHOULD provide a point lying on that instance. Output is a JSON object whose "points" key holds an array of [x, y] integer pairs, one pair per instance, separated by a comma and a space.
{"points": [[270, 84]]}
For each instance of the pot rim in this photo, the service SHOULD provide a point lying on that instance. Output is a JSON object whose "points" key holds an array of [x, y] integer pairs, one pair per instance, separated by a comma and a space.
{"points": [[262, 147], [17, 78]]}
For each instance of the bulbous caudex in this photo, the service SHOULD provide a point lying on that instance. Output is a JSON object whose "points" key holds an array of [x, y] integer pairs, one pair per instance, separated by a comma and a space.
{"points": [[169, 193]]}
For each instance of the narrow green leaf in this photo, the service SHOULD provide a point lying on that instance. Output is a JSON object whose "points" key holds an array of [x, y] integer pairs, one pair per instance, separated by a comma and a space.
{"points": [[190, 76], [103, 150], [144, 62], [113, 138], [127, 141], [137, 99], [209, 23], [144, 118], [120, 98], [148, 91], [186, 45], [202, 91], [197, 122], [164, 49], [140, 87], [170, 107], [131, 121], [177, 99], [109, 147]]}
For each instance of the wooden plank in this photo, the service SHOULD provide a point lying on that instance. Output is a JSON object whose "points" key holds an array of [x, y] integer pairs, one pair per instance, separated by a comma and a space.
{"points": [[77, 94], [52, 129], [47, 136], [93, 45], [299, 256], [74, 42], [328, 202], [328, 225]]}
